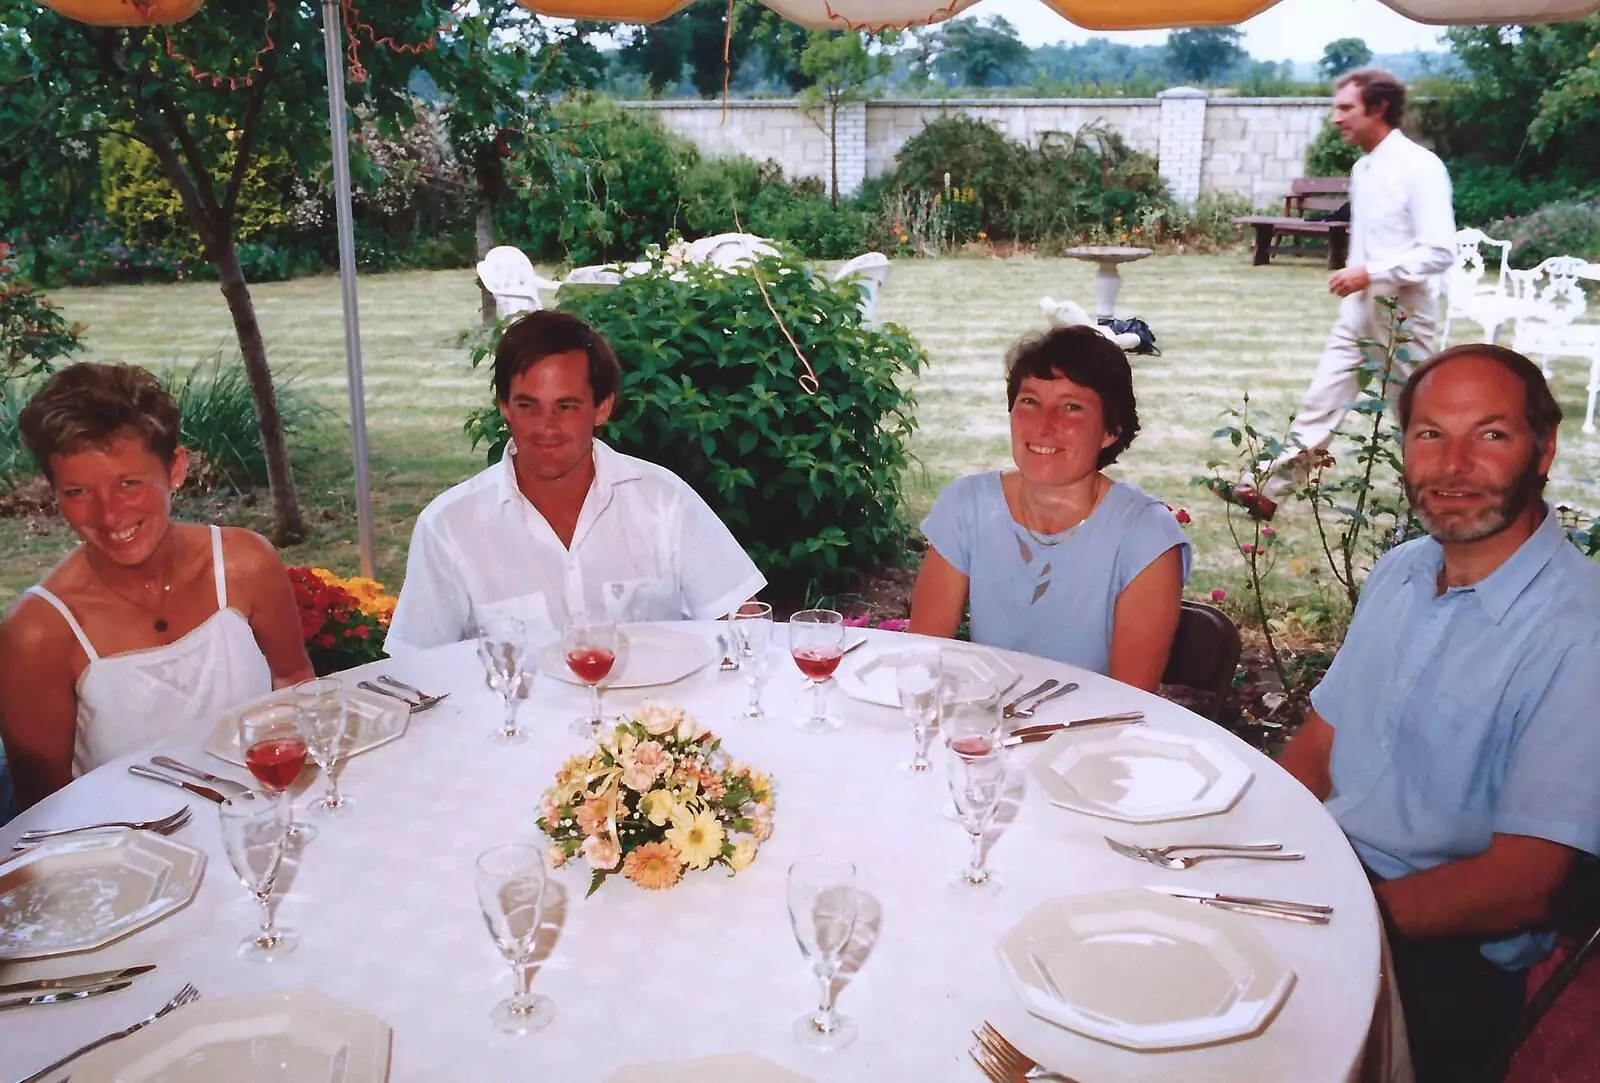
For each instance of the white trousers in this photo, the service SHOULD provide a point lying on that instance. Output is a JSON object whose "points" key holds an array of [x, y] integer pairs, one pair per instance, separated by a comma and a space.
{"points": [[1335, 387]]}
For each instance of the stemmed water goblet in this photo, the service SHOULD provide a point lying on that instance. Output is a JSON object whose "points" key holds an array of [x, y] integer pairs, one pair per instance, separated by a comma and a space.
{"points": [[977, 781], [502, 648], [324, 717], [752, 636], [275, 753], [918, 675], [816, 642], [822, 911], [255, 833], [511, 882], [590, 648]]}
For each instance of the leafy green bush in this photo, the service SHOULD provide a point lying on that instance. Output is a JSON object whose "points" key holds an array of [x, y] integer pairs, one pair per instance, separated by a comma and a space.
{"points": [[978, 159], [1205, 226], [1486, 194], [726, 195], [32, 333], [1088, 184], [810, 484], [1329, 155], [1559, 229]]}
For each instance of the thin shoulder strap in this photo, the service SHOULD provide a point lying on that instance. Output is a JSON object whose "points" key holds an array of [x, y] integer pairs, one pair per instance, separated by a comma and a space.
{"points": [[217, 569], [72, 622]]}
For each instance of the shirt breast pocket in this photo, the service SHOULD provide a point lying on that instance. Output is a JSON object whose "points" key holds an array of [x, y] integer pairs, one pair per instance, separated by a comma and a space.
{"points": [[531, 609], [640, 599]]}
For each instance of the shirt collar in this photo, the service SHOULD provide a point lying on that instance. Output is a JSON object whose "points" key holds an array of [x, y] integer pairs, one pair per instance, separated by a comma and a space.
{"points": [[1500, 588], [610, 469]]}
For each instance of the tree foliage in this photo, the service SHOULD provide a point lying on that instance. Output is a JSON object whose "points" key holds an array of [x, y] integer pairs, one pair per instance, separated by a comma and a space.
{"points": [[1345, 54], [982, 53], [1206, 53]]}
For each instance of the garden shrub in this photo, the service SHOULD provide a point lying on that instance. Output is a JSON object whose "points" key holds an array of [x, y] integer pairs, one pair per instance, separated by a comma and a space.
{"points": [[810, 484], [1329, 155], [33, 334], [1558, 229], [1088, 184], [1205, 226], [978, 159], [1487, 194]]}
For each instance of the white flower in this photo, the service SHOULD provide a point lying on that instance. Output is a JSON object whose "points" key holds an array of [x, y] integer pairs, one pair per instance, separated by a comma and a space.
{"points": [[601, 852]]}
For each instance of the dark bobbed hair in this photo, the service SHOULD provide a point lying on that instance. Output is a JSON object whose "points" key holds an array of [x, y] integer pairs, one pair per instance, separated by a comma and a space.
{"points": [[88, 404], [1542, 410], [1380, 92], [1089, 359], [537, 335]]}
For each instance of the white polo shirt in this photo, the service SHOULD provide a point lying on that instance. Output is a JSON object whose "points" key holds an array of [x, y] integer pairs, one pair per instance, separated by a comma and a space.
{"points": [[646, 547]]}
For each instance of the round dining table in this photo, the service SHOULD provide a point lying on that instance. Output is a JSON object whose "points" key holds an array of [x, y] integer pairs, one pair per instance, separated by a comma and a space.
{"points": [[384, 902]]}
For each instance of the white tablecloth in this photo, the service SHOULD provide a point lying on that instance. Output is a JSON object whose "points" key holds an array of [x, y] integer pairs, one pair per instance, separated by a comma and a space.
{"points": [[384, 901]]}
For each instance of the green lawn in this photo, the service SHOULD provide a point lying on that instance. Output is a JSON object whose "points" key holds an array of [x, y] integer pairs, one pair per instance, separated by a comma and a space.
{"points": [[1224, 327]]}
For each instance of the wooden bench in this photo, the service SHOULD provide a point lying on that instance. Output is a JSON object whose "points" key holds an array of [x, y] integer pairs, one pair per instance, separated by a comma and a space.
{"points": [[1315, 194]]}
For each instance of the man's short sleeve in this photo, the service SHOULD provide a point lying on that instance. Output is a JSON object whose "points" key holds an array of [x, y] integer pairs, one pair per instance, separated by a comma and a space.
{"points": [[717, 574], [951, 525], [434, 608], [1549, 790], [1151, 530]]}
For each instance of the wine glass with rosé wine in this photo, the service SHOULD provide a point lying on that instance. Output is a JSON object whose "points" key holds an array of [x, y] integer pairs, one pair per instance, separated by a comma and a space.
{"points": [[590, 648], [816, 642], [275, 753]]}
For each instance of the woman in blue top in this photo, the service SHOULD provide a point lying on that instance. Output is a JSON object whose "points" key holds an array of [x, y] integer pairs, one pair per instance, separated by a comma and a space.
{"points": [[1057, 559]]}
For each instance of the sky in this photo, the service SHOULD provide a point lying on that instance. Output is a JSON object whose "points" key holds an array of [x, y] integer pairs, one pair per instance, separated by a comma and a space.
{"points": [[1291, 30]]}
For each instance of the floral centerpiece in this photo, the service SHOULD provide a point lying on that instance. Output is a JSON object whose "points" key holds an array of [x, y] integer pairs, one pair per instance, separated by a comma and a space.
{"points": [[654, 797], [344, 621]]}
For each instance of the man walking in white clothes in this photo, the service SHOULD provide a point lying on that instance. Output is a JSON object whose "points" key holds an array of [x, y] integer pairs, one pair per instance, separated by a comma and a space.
{"points": [[1402, 234]]}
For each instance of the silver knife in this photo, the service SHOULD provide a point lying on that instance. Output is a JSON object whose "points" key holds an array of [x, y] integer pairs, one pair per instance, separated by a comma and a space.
{"points": [[64, 996], [1248, 900], [194, 772], [209, 794], [74, 981], [1027, 735]]}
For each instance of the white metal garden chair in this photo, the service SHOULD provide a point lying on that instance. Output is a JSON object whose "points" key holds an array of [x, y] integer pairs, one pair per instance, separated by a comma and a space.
{"points": [[509, 275], [1551, 300], [1489, 304], [727, 249], [871, 271]]}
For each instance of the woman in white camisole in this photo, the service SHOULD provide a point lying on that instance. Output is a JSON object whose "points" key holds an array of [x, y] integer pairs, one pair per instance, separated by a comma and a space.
{"points": [[150, 626]]}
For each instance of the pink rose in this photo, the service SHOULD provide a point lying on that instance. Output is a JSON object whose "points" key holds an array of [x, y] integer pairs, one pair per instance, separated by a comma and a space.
{"points": [[644, 764], [601, 852], [1268, 532], [1182, 515], [593, 814], [1247, 549], [1218, 594], [549, 809]]}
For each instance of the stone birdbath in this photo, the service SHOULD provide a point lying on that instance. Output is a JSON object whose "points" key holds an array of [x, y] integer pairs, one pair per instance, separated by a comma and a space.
{"points": [[1107, 281]]}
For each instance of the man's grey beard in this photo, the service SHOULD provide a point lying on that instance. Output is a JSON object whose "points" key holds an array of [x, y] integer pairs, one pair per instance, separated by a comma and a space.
{"points": [[1515, 499]]}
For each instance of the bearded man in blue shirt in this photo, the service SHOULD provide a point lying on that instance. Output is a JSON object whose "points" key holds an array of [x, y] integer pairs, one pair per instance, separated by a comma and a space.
{"points": [[1454, 737]]}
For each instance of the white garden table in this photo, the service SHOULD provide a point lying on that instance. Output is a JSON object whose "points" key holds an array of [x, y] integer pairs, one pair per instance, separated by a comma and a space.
{"points": [[384, 902]]}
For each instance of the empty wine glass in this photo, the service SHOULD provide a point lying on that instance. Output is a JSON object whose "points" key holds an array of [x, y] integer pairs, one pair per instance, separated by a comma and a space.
{"points": [[275, 753], [254, 833], [918, 675], [752, 635], [324, 716], [816, 642], [822, 911], [590, 648], [977, 780], [511, 894], [502, 647]]}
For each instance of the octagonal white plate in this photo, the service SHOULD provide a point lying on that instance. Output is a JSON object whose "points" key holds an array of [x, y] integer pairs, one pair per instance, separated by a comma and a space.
{"points": [[294, 1036], [727, 1068], [1139, 778], [646, 655], [1143, 970], [82, 892], [374, 721], [870, 677]]}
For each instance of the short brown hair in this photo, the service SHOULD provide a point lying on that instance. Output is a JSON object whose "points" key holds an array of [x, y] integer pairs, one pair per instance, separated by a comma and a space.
{"points": [[1380, 92], [1089, 359], [533, 337], [87, 404], [1539, 405]]}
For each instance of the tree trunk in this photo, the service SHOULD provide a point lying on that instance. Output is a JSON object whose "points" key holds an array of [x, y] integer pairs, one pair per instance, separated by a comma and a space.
{"points": [[833, 151], [288, 524], [485, 230]]}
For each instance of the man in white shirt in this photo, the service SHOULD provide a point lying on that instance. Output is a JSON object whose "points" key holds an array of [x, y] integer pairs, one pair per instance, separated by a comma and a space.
{"points": [[1402, 234], [564, 526]]}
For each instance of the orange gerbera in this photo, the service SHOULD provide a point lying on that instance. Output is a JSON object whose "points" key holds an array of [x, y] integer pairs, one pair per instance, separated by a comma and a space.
{"points": [[653, 866]]}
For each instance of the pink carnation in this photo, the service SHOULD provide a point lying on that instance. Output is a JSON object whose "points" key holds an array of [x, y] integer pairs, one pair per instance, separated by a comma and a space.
{"points": [[644, 764], [593, 814], [601, 852]]}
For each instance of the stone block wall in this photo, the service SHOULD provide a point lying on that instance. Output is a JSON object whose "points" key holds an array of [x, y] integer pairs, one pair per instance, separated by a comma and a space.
{"points": [[1250, 147]]}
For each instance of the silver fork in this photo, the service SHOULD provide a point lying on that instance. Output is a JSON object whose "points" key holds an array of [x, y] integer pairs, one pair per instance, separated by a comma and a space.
{"points": [[1177, 861], [1130, 850], [1028, 711], [166, 825], [424, 700], [1003, 1062], [185, 995]]}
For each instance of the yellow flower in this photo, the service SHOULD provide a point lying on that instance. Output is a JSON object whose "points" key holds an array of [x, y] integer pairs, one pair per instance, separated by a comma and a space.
{"points": [[744, 852], [982, 236], [657, 806], [1298, 566], [760, 788], [696, 836]]}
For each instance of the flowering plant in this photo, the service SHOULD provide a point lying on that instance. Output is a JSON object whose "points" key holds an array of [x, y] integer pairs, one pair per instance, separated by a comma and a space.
{"points": [[656, 796], [344, 621]]}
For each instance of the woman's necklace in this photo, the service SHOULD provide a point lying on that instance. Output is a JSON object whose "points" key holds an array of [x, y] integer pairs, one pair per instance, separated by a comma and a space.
{"points": [[157, 613], [1060, 536]]}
